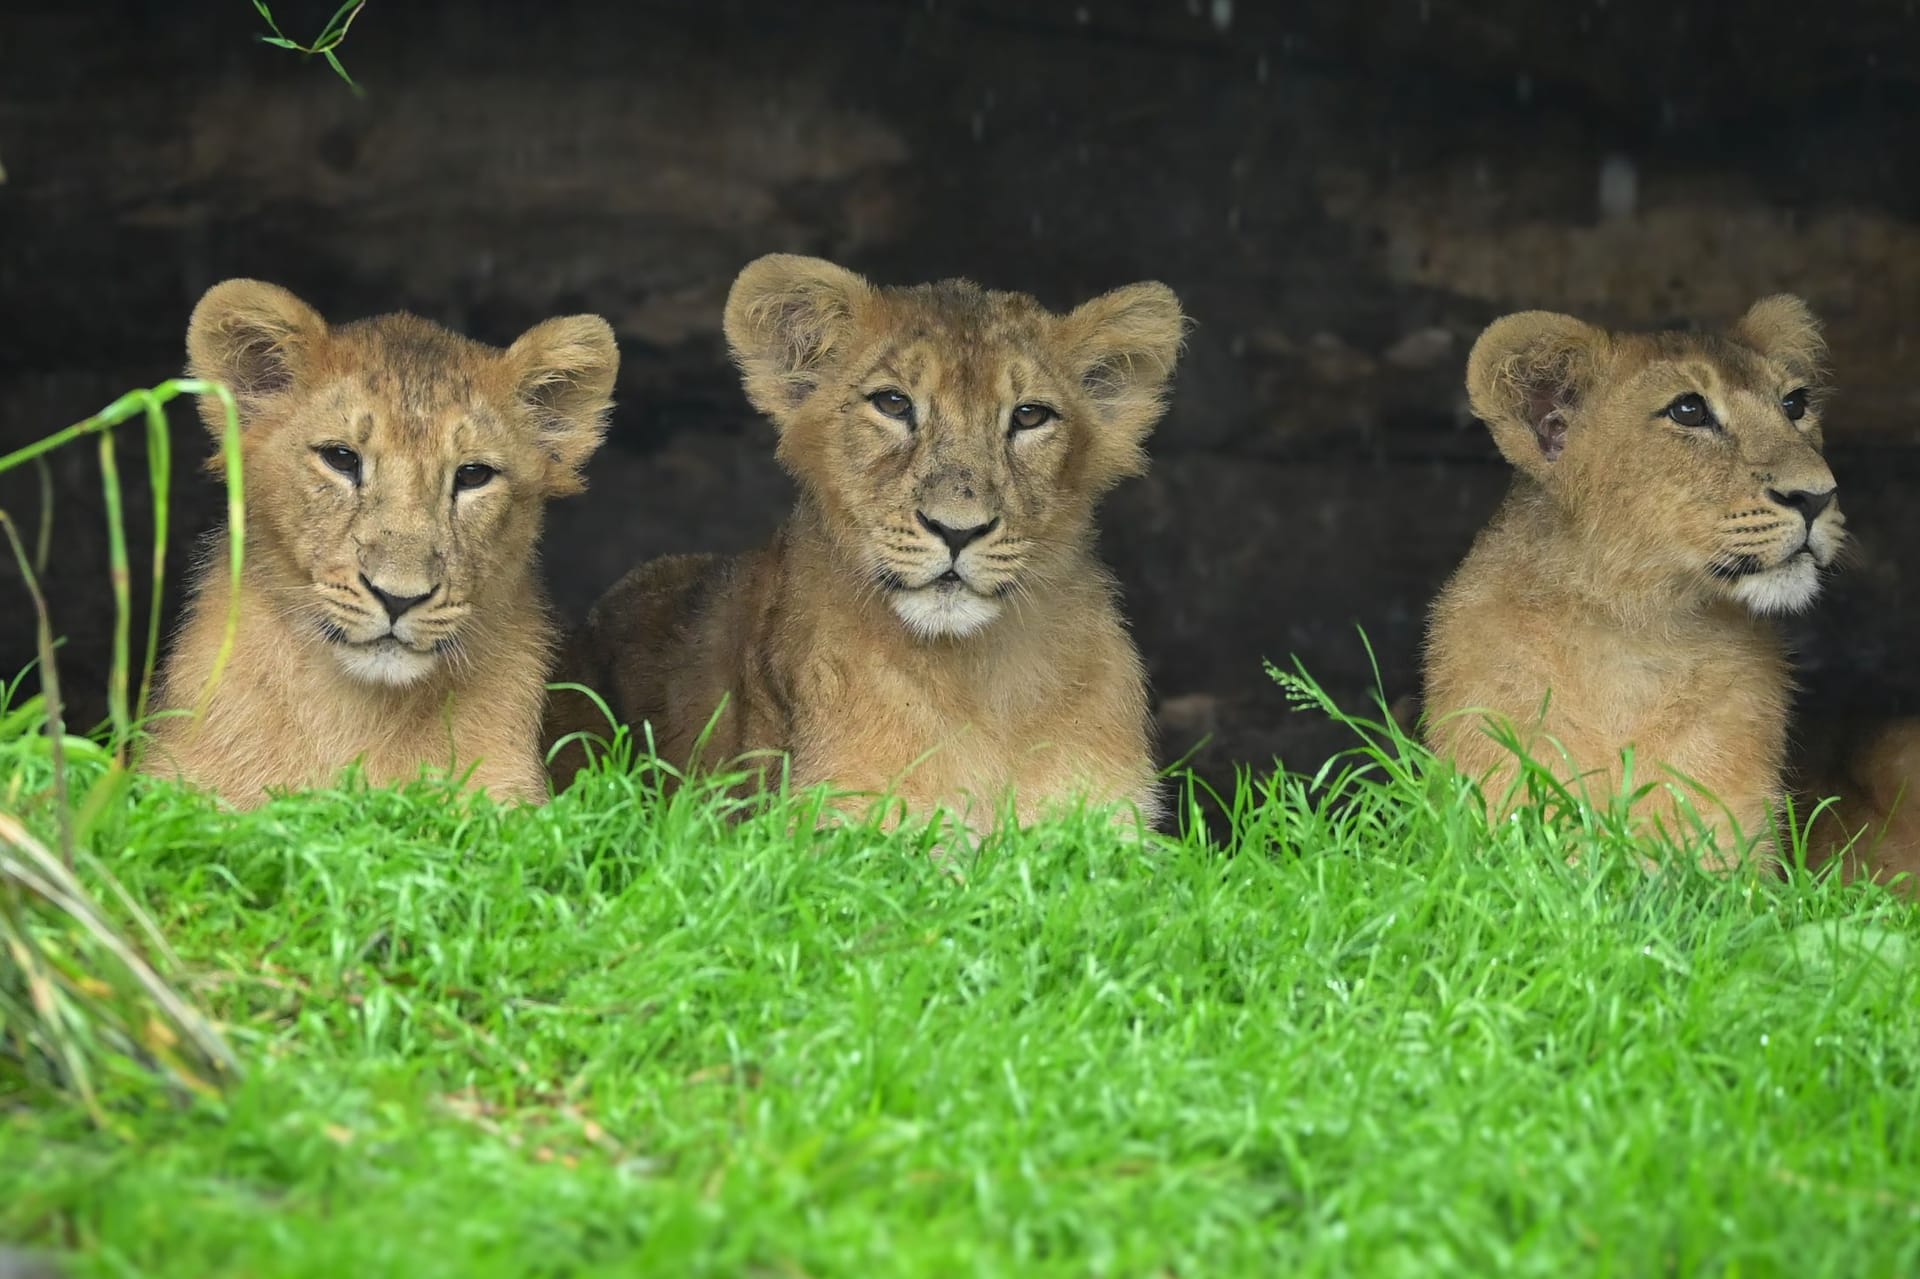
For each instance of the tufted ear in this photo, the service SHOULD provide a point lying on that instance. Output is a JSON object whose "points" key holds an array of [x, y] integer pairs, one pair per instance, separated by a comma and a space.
{"points": [[253, 336], [787, 316], [1525, 375], [1781, 328], [1123, 346], [564, 371]]}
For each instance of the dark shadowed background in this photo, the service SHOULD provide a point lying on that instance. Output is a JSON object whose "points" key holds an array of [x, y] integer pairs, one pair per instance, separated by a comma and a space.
{"points": [[1342, 191]]}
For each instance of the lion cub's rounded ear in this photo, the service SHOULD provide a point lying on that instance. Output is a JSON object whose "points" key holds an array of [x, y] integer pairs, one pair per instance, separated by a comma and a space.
{"points": [[564, 370], [1782, 328], [253, 336], [1526, 375], [786, 316], [1123, 347]]}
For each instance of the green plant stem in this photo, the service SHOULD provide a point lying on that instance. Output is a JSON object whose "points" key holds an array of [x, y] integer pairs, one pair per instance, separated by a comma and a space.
{"points": [[49, 687]]}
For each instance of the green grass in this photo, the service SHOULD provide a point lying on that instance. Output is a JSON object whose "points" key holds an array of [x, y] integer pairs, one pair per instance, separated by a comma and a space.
{"points": [[627, 1035]]}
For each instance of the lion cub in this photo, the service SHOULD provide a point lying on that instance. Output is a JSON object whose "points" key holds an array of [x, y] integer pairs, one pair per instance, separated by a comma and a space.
{"points": [[389, 608], [1669, 494], [932, 620]]}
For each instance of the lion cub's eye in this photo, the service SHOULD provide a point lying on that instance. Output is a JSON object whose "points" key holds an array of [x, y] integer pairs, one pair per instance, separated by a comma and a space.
{"points": [[472, 476], [1794, 403], [1691, 410], [342, 459], [1028, 416], [893, 404]]}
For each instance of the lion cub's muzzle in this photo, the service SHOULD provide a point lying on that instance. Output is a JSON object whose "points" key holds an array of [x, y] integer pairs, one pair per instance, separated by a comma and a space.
{"points": [[389, 630], [1772, 554], [955, 588]]}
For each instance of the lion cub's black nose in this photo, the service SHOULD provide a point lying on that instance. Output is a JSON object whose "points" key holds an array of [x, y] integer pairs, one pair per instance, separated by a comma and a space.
{"points": [[1805, 501], [394, 604], [955, 538]]}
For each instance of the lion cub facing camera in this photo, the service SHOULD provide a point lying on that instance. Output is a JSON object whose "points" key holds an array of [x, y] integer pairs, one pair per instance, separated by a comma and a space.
{"points": [[1669, 494], [931, 621], [389, 609]]}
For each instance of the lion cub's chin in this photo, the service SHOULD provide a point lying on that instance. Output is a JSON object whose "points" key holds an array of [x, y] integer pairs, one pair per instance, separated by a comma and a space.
{"points": [[385, 661], [944, 611], [1786, 589]]}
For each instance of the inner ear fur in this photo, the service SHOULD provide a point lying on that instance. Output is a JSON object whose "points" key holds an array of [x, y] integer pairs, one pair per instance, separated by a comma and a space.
{"points": [[788, 316], [1782, 328], [1123, 347], [1526, 375], [253, 336], [564, 370]]}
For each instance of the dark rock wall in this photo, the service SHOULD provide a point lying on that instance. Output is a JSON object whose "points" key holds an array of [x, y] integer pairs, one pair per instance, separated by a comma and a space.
{"points": [[1342, 193]]}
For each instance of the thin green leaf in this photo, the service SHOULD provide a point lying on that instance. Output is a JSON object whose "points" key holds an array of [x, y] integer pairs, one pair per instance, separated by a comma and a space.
{"points": [[160, 483], [120, 578]]}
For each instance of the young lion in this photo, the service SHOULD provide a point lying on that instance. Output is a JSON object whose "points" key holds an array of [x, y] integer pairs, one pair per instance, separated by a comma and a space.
{"points": [[389, 608], [1669, 494], [931, 621]]}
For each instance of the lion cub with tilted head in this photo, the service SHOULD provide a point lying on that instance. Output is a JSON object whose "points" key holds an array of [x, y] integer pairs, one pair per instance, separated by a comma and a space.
{"points": [[931, 621], [1669, 495], [389, 611]]}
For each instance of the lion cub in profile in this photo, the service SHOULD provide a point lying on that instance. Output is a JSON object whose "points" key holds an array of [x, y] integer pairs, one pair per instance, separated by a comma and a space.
{"points": [[389, 609], [931, 620], [1669, 494]]}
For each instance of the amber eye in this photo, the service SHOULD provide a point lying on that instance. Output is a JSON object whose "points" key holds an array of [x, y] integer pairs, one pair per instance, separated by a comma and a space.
{"points": [[342, 459], [473, 475], [1795, 404], [893, 404], [1691, 410], [1028, 416]]}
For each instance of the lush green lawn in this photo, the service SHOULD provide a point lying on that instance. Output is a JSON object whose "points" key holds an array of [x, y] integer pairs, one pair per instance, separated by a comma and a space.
{"points": [[621, 1036]]}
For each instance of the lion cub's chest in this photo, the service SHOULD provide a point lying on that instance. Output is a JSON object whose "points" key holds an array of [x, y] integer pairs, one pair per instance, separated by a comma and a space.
{"points": [[931, 737], [1706, 703]]}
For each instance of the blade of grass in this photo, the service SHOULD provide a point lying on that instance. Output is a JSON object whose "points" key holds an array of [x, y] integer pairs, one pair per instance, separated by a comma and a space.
{"points": [[120, 579], [150, 402], [160, 484], [28, 868], [230, 465], [44, 548], [324, 44], [49, 687]]}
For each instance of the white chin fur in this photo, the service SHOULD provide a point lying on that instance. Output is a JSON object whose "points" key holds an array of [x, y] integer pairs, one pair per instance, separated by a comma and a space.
{"points": [[385, 663], [1786, 589], [933, 612]]}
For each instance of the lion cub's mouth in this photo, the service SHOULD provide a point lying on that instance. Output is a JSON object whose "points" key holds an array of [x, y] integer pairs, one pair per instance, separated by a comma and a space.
{"points": [[944, 607], [1785, 587], [384, 659]]}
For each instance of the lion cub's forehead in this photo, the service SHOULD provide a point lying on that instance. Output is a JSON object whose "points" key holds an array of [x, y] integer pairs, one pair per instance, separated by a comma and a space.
{"points": [[958, 336], [1711, 364], [402, 381]]}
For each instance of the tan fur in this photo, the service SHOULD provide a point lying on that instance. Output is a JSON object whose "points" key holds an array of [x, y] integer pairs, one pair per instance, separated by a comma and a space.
{"points": [[1873, 776], [1628, 574], [322, 674], [1021, 677]]}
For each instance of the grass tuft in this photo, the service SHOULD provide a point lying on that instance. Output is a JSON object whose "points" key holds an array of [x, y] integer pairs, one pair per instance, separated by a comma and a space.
{"points": [[78, 1001], [324, 44], [657, 1029]]}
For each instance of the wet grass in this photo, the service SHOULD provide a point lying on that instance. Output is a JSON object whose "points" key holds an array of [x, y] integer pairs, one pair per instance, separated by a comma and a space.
{"points": [[628, 1033]]}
